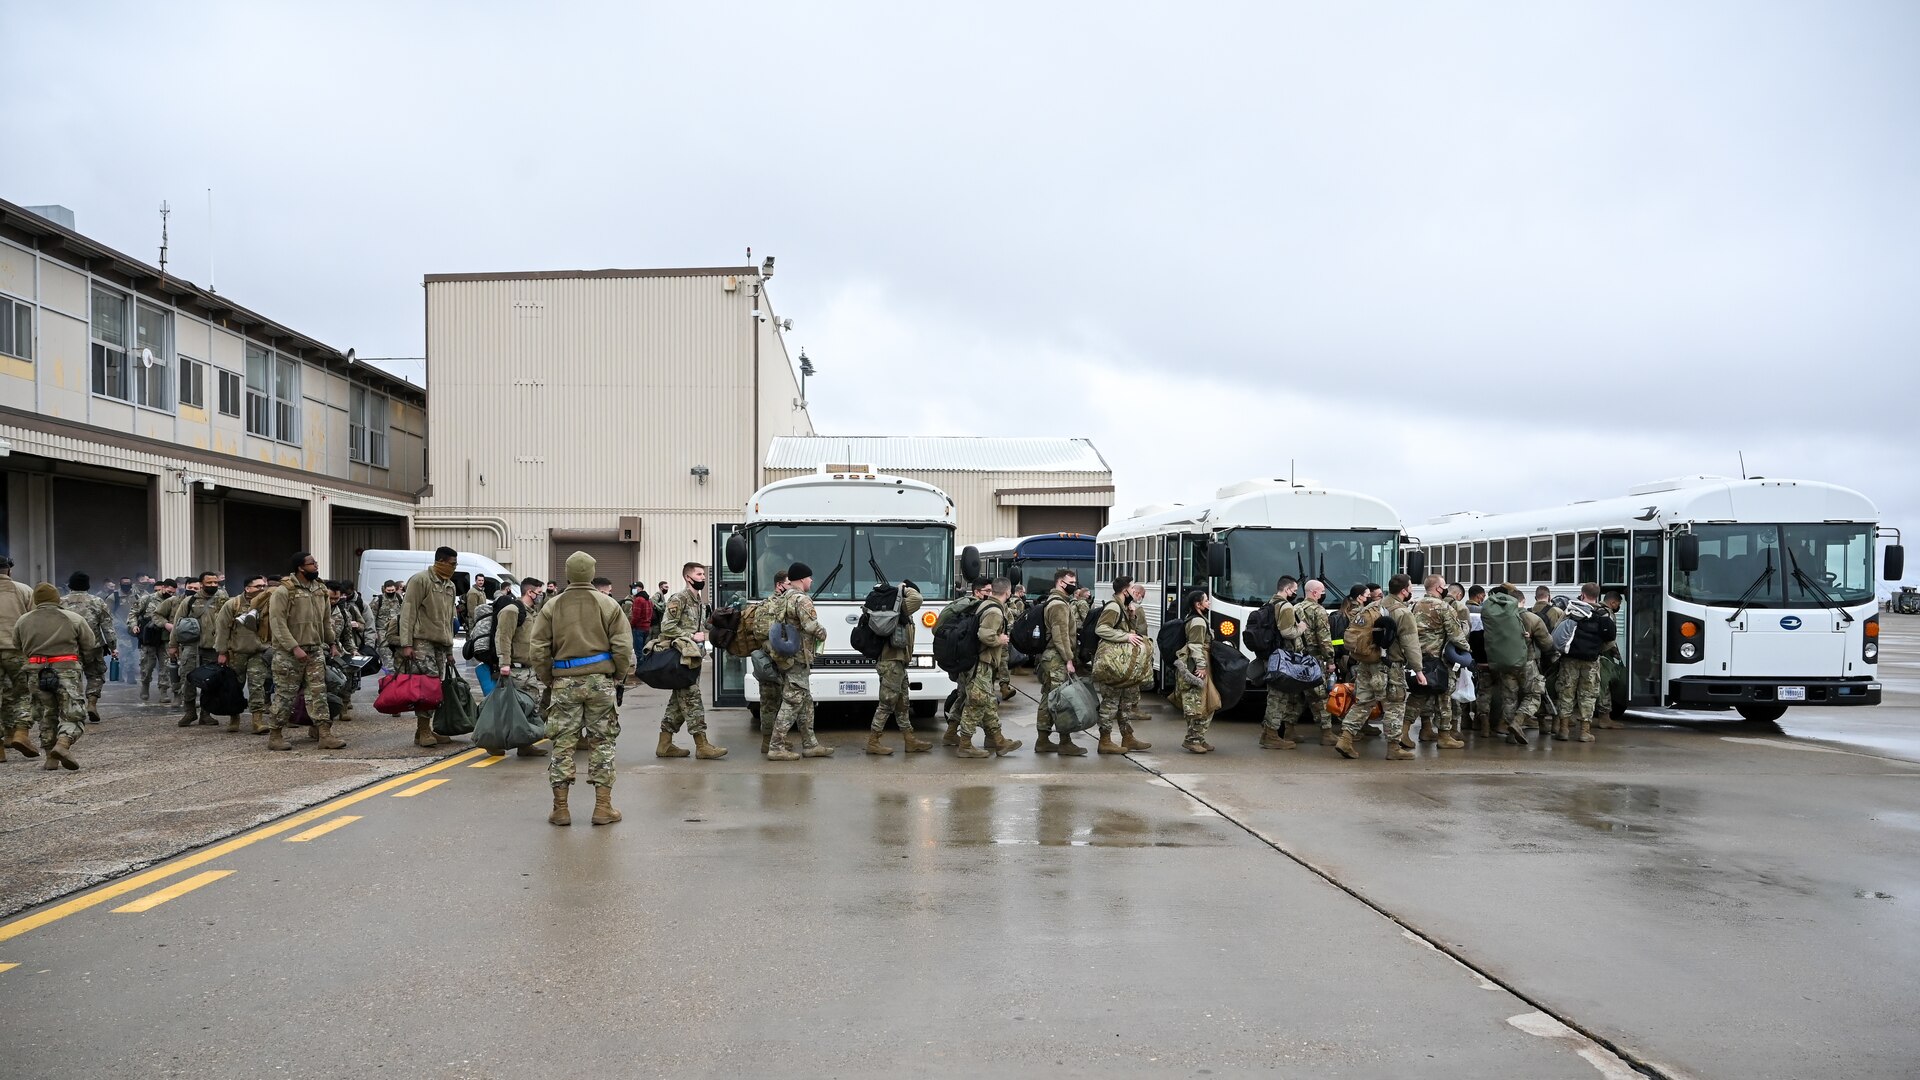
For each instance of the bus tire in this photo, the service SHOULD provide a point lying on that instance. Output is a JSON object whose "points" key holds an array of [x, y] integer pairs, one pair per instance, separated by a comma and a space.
{"points": [[924, 710], [1761, 712]]}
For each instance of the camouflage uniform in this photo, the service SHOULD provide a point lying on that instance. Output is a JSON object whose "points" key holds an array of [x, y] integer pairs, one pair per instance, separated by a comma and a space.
{"points": [[1130, 709], [151, 609], [99, 618], [1457, 710], [982, 708], [582, 624], [892, 667], [795, 608], [1383, 680], [1438, 625], [1286, 707], [426, 618], [298, 611], [1051, 665], [582, 706], [1525, 687], [50, 630], [1188, 662], [246, 657], [1316, 640], [1016, 606], [194, 655], [1114, 627], [387, 619], [686, 616]]}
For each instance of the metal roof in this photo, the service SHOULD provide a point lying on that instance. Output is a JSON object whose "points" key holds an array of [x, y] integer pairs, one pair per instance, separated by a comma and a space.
{"points": [[949, 453]]}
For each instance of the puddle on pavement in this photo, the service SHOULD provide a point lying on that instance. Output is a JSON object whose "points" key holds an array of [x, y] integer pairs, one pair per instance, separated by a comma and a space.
{"points": [[1042, 815]]}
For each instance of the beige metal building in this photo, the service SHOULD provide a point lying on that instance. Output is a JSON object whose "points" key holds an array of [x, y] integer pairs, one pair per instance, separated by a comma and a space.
{"points": [[1000, 486], [622, 412], [148, 425]]}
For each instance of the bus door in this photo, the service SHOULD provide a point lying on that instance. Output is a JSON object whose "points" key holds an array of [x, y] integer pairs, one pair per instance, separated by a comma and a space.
{"points": [[729, 590], [1645, 620]]}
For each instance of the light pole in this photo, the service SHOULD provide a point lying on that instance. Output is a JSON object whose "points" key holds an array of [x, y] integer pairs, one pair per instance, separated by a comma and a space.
{"points": [[806, 369]]}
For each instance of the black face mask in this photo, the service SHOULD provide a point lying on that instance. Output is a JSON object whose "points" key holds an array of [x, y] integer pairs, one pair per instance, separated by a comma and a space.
{"points": [[209, 590], [310, 575]]}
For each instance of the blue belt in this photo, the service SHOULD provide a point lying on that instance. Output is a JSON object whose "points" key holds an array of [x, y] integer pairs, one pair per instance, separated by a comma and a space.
{"points": [[582, 661]]}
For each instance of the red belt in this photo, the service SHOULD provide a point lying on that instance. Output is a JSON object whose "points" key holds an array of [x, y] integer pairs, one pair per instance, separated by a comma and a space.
{"points": [[53, 659]]}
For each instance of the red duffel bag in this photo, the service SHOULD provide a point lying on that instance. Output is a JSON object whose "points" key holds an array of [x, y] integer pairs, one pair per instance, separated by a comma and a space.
{"points": [[407, 693]]}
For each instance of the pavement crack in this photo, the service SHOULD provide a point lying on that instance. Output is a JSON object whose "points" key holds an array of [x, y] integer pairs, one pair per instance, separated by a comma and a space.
{"points": [[1228, 813]]}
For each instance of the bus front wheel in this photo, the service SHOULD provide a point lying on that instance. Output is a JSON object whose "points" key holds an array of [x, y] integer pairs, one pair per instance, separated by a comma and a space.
{"points": [[1761, 713]]}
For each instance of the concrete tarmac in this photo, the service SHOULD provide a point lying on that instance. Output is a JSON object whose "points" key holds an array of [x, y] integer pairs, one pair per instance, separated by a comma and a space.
{"points": [[1707, 898]]}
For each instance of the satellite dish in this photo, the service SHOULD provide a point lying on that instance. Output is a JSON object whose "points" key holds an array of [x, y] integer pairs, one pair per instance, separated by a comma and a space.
{"points": [[146, 357]]}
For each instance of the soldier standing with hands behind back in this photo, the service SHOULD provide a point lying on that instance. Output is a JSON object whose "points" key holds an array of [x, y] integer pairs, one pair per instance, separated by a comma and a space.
{"points": [[582, 648]]}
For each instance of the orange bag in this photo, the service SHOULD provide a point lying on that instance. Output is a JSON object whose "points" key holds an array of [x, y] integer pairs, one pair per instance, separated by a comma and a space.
{"points": [[1339, 700]]}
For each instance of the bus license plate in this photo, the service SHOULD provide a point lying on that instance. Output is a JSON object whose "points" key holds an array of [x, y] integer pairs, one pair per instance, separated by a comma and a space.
{"points": [[1791, 693], [853, 686]]}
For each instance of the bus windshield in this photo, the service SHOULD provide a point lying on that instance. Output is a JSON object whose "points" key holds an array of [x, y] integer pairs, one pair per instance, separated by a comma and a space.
{"points": [[1338, 558], [844, 558], [1038, 574], [1779, 566]]}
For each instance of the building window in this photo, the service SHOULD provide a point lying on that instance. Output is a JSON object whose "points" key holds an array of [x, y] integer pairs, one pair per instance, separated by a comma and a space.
{"points": [[16, 328], [193, 383], [110, 344], [259, 392], [230, 395], [152, 351], [367, 427], [286, 400]]}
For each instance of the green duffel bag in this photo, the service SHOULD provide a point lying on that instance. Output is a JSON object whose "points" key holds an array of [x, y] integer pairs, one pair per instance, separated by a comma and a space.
{"points": [[457, 712], [1122, 663], [509, 720]]}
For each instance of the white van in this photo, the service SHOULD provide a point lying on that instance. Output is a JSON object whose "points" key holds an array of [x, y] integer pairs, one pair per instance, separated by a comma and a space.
{"points": [[378, 566]]}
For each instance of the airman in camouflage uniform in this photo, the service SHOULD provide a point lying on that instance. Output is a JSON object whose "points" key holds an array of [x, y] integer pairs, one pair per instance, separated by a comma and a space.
{"points": [[1382, 680], [16, 693], [1521, 691], [302, 636], [1115, 630], [684, 627], [795, 608], [1283, 706], [1016, 607], [1316, 639], [150, 610], [765, 675], [1055, 661], [582, 649], [1190, 669], [892, 668], [99, 618], [189, 656], [981, 710], [387, 618], [1433, 614], [52, 638], [978, 592], [425, 633], [238, 646]]}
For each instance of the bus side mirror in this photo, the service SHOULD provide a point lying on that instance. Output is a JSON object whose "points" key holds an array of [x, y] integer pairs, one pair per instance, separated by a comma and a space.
{"points": [[1896, 562], [1686, 553], [1417, 566], [970, 563], [736, 553], [1216, 560]]}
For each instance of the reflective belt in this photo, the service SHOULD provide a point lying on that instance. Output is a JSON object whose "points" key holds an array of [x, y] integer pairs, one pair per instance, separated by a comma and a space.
{"points": [[582, 661], [53, 659]]}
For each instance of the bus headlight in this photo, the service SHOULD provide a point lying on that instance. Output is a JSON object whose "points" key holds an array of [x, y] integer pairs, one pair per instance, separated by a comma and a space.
{"points": [[1686, 639], [1870, 642], [1688, 650]]}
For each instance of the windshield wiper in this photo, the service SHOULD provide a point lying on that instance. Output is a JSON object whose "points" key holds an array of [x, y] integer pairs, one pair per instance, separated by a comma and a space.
{"points": [[879, 576], [1746, 598], [1818, 590], [839, 563]]}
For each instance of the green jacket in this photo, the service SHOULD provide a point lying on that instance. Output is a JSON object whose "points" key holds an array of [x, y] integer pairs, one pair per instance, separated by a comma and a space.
{"points": [[1438, 625], [196, 605], [1062, 626], [686, 615], [52, 630], [299, 615], [15, 600], [795, 608], [427, 617], [993, 625], [232, 637], [581, 621]]}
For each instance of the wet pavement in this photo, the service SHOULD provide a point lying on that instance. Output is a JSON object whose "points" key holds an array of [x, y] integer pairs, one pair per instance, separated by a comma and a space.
{"points": [[1709, 898]]}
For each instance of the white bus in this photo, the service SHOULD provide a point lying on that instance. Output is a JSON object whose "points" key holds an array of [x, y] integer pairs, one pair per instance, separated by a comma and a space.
{"points": [[1237, 546], [853, 527], [1747, 594]]}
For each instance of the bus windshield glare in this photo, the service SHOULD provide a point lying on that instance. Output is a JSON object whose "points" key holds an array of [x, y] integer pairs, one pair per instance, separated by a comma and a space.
{"points": [[1337, 557], [1809, 565], [844, 558]]}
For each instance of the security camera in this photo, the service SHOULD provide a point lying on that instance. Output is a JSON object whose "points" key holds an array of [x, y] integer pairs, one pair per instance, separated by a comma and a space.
{"points": [[206, 485], [766, 268]]}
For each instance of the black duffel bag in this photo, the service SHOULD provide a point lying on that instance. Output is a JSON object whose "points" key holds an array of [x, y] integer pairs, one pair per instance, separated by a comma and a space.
{"points": [[662, 670], [224, 694], [1435, 669], [202, 677], [1227, 666]]}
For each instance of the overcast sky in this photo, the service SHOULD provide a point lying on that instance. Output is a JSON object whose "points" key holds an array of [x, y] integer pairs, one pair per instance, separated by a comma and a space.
{"points": [[1495, 256]]}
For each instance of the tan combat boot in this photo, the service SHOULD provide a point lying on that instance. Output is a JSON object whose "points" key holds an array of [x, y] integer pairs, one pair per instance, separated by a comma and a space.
{"points": [[1128, 742], [1044, 744], [1586, 731], [50, 765], [1001, 745], [779, 751], [917, 746], [259, 723], [1195, 746], [18, 740], [531, 751], [1108, 746], [1344, 744], [1560, 729], [276, 739], [1066, 747], [1405, 740], [666, 747], [1271, 739], [1006, 692], [952, 737], [705, 750], [766, 739], [1397, 752], [1327, 737], [60, 752], [1427, 732], [423, 732], [876, 747], [188, 720], [603, 811], [1605, 721], [968, 750], [1448, 742], [812, 747], [323, 731], [233, 724], [560, 815], [1516, 732]]}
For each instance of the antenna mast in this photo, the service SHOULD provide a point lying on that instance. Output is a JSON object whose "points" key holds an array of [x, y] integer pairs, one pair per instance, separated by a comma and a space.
{"points": [[1743, 463], [210, 246], [164, 211]]}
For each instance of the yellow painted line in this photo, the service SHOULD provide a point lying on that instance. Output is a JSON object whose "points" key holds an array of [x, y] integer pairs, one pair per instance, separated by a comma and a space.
{"points": [[172, 892], [139, 881], [319, 831], [486, 761], [418, 789], [8, 967]]}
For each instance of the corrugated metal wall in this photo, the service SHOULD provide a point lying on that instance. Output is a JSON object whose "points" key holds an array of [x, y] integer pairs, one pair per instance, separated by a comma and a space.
{"points": [[568, 403], [978, 513]]}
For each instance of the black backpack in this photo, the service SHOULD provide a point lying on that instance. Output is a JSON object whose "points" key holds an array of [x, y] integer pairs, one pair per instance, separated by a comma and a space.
{"points": [[1262, 634], [1088, 642], [1227, 667], [956, 642], [881, 605], [1591, 636], [1029, 633], [1173, 636]]}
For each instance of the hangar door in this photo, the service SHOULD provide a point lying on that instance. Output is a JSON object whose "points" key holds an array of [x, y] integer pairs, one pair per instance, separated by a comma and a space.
{"points": [[101, 529], [613, 560], [1051, 519]]}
